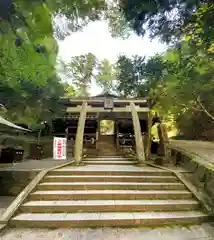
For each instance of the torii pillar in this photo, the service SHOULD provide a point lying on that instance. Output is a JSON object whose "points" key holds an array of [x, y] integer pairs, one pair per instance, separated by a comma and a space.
{"points": [[138, 136], [80, 134]]}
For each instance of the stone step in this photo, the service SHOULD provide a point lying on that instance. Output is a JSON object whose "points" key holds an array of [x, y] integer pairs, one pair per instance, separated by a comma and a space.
{"points": [[104, 178], [103, 150], [106, 154], [109, 158], [108, 206], [114, 162], [120, 219], [113, 172], [109, 186], [110, 195]]}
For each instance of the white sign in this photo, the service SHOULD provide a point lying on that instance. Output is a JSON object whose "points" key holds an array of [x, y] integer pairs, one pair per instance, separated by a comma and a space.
{"points": [[59, 148]]}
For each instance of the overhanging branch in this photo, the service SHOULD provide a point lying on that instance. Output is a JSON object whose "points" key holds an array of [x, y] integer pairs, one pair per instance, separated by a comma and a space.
{"points": [[204, 109]]}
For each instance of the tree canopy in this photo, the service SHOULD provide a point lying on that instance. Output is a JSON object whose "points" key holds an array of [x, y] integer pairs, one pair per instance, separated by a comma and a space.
{"points": [[165, 19], [30, 88], [178, 82], [85, 70], [106, 74]]}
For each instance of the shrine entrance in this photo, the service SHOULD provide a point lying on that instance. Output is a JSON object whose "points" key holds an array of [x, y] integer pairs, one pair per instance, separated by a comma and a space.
{"points": [[107, 127], [106, 144]]}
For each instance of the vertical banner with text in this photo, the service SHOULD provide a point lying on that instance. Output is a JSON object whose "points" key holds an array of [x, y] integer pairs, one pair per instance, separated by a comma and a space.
{"points": [[59, 148]]}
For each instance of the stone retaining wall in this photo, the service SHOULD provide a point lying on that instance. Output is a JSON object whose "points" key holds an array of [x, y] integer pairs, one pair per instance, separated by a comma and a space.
{"points": [[13, 182], [200, 174]]}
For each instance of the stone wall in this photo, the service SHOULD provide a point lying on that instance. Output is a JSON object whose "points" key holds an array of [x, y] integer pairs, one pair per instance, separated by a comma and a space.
{"points": [[13, 182], [200, 175], [47, 149], [24, 142]]}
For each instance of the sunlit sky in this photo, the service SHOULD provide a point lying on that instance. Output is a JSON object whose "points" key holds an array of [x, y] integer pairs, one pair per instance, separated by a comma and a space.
{"points": [[96, 38]]}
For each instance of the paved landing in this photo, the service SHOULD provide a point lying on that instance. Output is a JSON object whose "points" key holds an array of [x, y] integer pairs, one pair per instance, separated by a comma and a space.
{"points": [[5, 201], [203, 149], [197, 232], [104, 168], [35, 165]]}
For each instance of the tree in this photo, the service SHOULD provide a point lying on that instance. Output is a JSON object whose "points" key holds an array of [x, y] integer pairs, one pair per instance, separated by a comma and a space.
{"points": [[178, 83], [117, 23], [81, 70], [70, 16], [105, 75], [199, 31], [194, 74], [140, 78], [165, 19], [32, 103], [67, 15], [130, 80], [29, 87], [69, 90], [188, 89]]}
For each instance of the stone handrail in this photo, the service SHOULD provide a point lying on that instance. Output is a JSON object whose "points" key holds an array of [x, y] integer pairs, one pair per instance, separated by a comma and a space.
{"points": [[200, 174], [193, 156]]}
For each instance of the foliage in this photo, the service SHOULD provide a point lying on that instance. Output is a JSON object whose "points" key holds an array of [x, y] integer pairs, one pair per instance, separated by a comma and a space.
{"points": [[117, 23], [188, 91], [84, 70], [70, 16], [130, 76], [165, 19], [105, 75], [191, 77], [199, 31], [31, 103], [138, 77], [80, 70], [69, 90], [179, 84], [106, 127], [29, 88], [77, 13], [28, 55]]}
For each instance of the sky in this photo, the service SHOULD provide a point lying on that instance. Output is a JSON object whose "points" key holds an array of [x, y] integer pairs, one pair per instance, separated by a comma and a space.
{"points": [[96, 38]]}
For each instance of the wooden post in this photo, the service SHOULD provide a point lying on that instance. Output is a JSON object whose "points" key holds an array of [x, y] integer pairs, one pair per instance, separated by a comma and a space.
{"points": [[164, 140], [138, 136], [148, 145], [80, 134]]}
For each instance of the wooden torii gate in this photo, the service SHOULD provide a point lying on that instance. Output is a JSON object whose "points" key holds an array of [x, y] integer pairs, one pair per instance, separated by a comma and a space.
{"points": [[107, 103]]}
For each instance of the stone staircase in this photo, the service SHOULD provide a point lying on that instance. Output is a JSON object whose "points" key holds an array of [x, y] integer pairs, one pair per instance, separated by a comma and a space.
{"points": [[109, 195], [107, 146], [109, 160]]}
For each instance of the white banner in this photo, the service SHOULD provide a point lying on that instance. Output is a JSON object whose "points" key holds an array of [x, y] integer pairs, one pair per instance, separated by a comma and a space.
{"points": [[59, 148]]}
